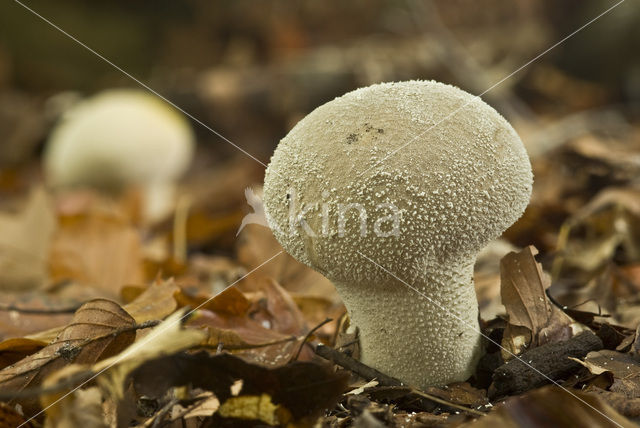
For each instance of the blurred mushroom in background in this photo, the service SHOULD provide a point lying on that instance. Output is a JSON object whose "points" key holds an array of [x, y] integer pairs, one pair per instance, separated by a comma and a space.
{"points": [[118, 140]]}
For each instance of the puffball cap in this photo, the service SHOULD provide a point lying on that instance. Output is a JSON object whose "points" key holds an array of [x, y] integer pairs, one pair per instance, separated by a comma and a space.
{"points": [[117, 138], [454, 169]]}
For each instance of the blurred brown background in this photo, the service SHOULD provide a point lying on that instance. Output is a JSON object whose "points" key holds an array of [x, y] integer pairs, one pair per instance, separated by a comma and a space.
{"points": [[251, 69]]}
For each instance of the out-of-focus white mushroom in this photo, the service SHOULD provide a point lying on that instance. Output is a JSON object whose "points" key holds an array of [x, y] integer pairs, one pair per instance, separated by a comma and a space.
{"points": [[119, 139], [453, 175]]}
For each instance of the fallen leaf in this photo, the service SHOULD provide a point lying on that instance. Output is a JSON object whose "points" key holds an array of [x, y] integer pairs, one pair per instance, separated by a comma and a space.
{"points": [[165, 339], [25, 239], [261, 325], [624, 368], [230, 302], [257, 408], [99, 329], [257, 243], [218, 196], [206, 406], [317, 309], [273, 306], [304, 389], [248, 338], [619, 156], [155, 302], [629, 407], [460, 393], [13, 350], [16, 323], [98, 248], [215, 273], [550, 406], [611, 219], [533, 319]]}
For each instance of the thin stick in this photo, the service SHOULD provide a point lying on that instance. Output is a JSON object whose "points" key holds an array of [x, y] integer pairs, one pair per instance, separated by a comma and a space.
{"points": [[39, 311], [307, 336], [369, 373]]}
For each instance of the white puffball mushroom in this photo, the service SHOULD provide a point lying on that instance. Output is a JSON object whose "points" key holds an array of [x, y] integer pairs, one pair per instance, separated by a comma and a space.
{"points": [[417, 177], [117, 139]]}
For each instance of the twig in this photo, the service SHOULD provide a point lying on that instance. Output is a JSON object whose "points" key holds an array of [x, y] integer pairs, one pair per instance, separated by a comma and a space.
{"points": [[39, 311], [307, 336], [77, 378], [552, 359], [180, 228], [355, 366], [157, 418], [221, 346], [369, 373], [37, 391], [346, 345], [409, 390]]}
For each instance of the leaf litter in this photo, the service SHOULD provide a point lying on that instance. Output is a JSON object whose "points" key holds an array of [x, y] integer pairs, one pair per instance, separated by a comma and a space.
{"points": [[257, 338], [88, 290]]}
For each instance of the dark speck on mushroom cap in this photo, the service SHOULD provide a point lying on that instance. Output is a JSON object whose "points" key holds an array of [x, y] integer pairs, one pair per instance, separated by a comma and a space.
{"points": [[460, 177]]}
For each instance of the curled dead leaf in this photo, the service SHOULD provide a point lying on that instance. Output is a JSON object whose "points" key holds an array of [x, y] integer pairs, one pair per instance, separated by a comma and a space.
{"points": [[533, 319], [99, 329]]}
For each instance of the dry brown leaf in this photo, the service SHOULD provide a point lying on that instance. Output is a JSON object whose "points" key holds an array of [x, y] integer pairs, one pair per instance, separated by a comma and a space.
{"points": [[99, 329], [165, 339], [629, 407], [257, 243], [620, 156], [15, 323], [255, 408], [240, 321], [231, 301], [235, 331], [218, 200], [460, 393], [155, 302], [215, 273], [98, 248], [228, 339], [550, 406], [623, 367], [13, 350], [273, 306], [533, 319], [206, 406], [266, 315], [248, 337], [317, 309], [25, 239]]}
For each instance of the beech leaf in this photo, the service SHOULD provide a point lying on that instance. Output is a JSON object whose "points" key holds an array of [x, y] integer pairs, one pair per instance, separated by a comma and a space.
{"points": [[533, 319], [99, 329]]}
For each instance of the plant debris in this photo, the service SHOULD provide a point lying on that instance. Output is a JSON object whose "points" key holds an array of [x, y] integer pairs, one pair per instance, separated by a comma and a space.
{"points": [[197, 318]]}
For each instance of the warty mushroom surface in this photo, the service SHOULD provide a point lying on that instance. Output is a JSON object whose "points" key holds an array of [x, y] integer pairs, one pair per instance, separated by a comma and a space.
{"points": [[433, 173]]}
